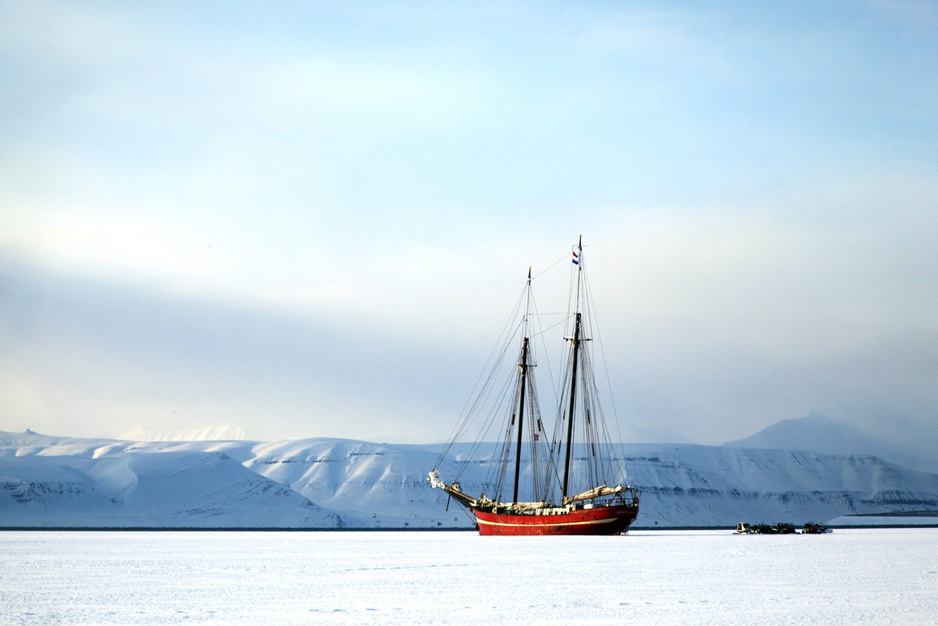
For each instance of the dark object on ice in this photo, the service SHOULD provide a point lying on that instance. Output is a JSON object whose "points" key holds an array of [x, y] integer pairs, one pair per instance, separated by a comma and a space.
{"points": [[781, 528], [814, 529]]}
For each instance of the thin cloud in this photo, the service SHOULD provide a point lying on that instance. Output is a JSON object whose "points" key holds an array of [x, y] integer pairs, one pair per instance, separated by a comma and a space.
{"points": [[306, 220]]}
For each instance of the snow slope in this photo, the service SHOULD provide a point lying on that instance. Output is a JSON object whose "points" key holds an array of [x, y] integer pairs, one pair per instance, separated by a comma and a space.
{"points": [[95, 483], [687, 485], [332, 483]]}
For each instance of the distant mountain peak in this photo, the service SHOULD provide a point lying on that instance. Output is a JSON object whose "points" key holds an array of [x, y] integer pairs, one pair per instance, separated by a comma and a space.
{"points": [[822, 434], [814, 432]]}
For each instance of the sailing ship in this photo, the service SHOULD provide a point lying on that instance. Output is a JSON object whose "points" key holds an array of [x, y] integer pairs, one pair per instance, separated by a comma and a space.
{"points": [[557, 485]]}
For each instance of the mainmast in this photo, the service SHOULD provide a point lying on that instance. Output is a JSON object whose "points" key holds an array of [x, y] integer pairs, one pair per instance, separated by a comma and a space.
{"points": [[575, 341], [523, 365]]}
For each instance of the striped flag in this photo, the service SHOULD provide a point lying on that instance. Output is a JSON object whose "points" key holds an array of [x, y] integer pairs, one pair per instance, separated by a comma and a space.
{"points": [[576, 258]]}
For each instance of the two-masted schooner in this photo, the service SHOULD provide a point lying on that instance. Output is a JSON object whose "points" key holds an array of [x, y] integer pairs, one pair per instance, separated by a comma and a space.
{"points": [[565, 479]]}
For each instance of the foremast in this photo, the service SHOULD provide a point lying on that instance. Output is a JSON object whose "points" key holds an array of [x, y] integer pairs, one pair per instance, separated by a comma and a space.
{"points": [[523, 413]]}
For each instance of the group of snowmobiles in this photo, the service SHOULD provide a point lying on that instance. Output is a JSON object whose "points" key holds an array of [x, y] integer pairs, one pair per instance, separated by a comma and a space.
{"points": [[742, 528]]}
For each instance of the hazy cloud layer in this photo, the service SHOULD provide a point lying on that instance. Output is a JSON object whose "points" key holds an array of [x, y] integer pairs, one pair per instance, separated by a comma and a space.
{"points": [[311, 219]]}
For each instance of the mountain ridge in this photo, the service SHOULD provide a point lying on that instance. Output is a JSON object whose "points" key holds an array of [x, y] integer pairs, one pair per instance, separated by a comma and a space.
{"points": [[48, 481]]}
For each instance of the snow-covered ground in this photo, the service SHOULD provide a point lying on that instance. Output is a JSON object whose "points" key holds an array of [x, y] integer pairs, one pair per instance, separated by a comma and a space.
{"points": [[664, 577]]}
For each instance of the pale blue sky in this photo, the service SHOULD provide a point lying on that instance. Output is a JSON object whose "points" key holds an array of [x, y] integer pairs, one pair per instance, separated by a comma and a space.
{"points": [[310, 219]]}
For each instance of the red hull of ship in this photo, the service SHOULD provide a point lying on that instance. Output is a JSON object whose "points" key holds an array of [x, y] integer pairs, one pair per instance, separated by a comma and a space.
{"points": [[600, 520]]}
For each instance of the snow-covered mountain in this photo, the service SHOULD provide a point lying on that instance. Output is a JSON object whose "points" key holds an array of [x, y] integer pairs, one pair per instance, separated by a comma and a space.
{"points": [[50, 481], [331, 483], [823, 434]]}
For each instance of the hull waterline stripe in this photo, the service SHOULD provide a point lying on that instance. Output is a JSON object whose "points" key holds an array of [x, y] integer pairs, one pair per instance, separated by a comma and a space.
{"points": [[556, 523]]}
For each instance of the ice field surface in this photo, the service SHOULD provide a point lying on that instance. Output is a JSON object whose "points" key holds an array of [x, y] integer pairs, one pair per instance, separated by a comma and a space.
{"points": [[875, 576]]}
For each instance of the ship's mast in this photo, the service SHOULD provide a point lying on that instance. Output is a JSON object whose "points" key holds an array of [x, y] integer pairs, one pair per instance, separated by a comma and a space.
{"points": [[575, 341], [523, 365]]}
